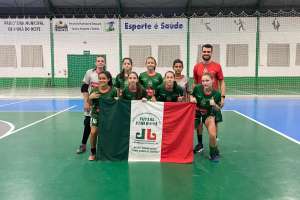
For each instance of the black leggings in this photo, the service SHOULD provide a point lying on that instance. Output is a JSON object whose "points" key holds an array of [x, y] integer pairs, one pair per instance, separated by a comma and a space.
{"points": [[86, 130]]}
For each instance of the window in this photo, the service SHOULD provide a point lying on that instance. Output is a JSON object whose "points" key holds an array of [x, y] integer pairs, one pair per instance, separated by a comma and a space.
{"points": [[167, 54], [32, 56], [237, 55], [278, 55], [8, 56], [298, 54], [138, 54]]}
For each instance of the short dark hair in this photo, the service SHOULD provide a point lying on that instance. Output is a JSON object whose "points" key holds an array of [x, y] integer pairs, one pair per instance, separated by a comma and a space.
{"points": [[209, 46], [177, 61]]}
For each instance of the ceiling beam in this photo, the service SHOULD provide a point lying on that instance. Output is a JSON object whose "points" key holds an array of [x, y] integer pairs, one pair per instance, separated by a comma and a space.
{"points": [[120, 7], [258, 4], [188, 8], [50, 7]]}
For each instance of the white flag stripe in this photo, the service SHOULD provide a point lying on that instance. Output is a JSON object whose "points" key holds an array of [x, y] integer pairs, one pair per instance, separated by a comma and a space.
{"points": [[145, 131]]}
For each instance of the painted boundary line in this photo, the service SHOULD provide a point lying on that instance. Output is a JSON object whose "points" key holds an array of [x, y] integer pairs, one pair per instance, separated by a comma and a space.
{"points": [[36, 122], [12, 127], [267, 127], [7, 104]]}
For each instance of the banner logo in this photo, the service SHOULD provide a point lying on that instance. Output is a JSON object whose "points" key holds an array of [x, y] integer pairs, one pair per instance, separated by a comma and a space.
{"points": [[146, 127], [145, 136], [61, 26]]}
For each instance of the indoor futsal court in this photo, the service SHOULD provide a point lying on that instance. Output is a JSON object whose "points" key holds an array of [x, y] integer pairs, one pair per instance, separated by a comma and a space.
{"points": [[260, 156], [52, 52]]}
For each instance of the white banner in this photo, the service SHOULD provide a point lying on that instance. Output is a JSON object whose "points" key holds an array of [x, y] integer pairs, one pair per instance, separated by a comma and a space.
{"points": [[85, 25], [145, 131], [143, 25], [23, 26]]}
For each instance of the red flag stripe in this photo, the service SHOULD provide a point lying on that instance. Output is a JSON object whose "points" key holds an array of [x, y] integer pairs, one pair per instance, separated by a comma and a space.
{"points": [[177, 135]]}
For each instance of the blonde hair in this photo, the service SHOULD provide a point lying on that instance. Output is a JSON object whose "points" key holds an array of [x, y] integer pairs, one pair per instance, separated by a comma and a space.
{"points": [[150, 57]]}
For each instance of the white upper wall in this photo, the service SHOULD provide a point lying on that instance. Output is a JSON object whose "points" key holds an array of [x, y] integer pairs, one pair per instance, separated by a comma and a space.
{"points": [[73, 36], [20, 32], [224, 31], [279, 30]]}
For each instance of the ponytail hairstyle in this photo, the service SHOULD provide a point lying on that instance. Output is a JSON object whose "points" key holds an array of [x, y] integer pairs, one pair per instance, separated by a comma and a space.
{"points": [[174, 83], [139, 88], [104, 67], [122, 73], [207, 74], [152, 58], [108, 76]]}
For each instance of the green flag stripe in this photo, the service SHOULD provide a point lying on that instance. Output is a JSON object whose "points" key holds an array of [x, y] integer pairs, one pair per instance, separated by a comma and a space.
{"points": [[113, 138]]}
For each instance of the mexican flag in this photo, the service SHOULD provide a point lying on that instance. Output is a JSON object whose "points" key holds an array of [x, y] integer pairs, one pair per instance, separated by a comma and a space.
{"points": [[146, 131]]}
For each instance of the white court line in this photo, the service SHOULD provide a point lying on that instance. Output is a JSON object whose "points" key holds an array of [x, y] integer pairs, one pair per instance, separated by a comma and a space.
{"points": [[12, 127], [267, 127], [7, 104], [36, 122]]}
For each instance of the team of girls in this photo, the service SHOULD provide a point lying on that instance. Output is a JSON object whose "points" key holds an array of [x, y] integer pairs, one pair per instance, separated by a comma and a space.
{"points": [[151, 86]]}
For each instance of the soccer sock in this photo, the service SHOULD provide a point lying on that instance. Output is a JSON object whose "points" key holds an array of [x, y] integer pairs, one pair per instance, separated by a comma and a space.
{"points": [[93, 151], [199, 137]]}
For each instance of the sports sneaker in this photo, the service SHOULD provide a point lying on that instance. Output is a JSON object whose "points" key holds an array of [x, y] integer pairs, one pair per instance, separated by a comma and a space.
{"points": [[214, 158], [198, 148], [81, 149], [92, 157]]}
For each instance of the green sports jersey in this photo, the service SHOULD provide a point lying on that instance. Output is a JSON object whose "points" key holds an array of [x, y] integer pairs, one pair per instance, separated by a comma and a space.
{"points": [[203, 100], [150, 81], [162, 94], [126, 94], [95, 102], [120, 83]]}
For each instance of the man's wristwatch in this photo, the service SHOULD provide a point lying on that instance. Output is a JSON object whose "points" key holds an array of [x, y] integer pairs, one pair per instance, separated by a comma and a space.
{"points": [[223, 96]]}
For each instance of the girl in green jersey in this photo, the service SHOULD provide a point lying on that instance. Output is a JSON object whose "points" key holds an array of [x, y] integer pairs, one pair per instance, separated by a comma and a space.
{"points": [[169, 90], [105, 91], [150, 79], [134, 90], [122, 78], [208, 101]]}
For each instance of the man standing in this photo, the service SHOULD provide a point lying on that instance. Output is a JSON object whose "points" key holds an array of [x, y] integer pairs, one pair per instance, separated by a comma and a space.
{"points": [[215, 69], [90, 80]]}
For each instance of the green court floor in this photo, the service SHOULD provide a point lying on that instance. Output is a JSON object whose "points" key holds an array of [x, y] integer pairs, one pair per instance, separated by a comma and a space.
{"points": [[39, 162]]}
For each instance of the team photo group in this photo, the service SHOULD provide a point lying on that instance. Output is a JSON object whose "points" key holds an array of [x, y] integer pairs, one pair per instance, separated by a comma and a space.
{"points": [[207, 91]]}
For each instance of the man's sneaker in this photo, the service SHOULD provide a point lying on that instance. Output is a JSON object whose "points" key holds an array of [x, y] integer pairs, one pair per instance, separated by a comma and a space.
{"points": [[92, 157], [81, 149], [198, 148]]}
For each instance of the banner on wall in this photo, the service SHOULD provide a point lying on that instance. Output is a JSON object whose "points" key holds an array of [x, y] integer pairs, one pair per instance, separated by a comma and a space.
{"points": [[157, 25], [223, 25], [85, 25], [23, 26]]}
